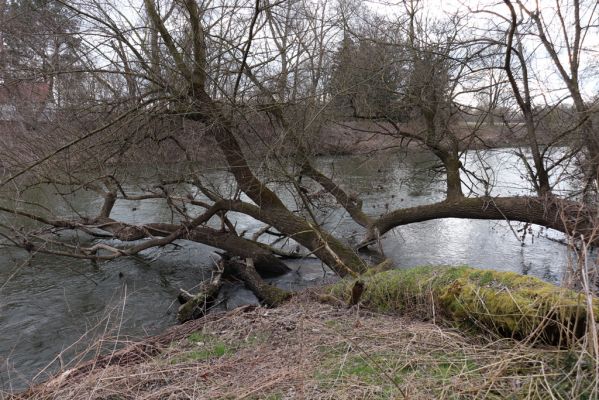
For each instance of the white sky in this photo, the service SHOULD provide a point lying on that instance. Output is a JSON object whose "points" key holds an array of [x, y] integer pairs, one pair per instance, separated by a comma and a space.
{"points": [[549, 80]]}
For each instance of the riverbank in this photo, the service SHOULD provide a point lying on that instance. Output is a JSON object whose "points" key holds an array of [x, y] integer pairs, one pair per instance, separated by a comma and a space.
{"points": [[50, 302], [335, 137], [306, 349]]}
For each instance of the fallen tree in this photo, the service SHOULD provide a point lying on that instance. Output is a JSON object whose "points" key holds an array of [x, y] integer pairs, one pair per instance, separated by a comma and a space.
{"points": [[503, 303], [196, 306], [173, 78]]}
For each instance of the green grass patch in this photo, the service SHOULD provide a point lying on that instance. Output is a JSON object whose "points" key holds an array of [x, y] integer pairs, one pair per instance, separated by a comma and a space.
{"points": [[203, 347], [385, 371], [380, 369], [200, 337]]}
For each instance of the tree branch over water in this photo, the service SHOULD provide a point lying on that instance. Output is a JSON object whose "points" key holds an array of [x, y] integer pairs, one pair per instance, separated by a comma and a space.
{"points": [[217, 112]]}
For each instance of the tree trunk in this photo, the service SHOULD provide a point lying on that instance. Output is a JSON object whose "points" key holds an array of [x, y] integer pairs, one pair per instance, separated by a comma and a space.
{"points": [[197, 306], [454, 182], [268, 294], [562, 215], [271, 210], [266, 263], [504, 303]]}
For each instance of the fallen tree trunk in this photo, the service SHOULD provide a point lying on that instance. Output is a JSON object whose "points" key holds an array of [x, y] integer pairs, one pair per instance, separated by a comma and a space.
{"points": [[197, 306], [266, 263], [268, 294], [505, 303]]}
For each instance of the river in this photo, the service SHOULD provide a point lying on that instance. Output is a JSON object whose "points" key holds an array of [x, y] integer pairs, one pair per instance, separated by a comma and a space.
{"points": [[52, 308]]}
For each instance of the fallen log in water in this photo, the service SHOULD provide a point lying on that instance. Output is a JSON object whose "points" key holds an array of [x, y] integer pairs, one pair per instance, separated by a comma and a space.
{"points": [[196, 306], [270, 295], [506, 303]]}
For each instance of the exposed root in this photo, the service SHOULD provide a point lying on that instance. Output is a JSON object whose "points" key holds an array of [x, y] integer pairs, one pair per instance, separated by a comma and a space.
{"points": [[270, 295]]}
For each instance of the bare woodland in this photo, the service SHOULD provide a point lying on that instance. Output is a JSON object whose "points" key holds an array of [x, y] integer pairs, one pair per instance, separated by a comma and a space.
{"points": [[249, 88]]}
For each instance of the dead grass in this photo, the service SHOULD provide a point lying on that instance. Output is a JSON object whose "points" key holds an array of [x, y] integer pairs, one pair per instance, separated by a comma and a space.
{"points": [[305, 349]]}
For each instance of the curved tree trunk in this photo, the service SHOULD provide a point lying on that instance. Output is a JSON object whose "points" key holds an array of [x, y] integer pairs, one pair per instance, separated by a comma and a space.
{"points": [[562, 215]]}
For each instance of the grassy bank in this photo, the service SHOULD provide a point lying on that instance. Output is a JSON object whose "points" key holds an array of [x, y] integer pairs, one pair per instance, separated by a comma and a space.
{"points": [[307, 349]]}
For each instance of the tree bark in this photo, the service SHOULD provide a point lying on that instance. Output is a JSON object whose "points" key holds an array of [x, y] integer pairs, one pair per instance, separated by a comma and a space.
{"points": [[452, 165], [266, 263], [268, 294], [562, 215], [198, 305]]}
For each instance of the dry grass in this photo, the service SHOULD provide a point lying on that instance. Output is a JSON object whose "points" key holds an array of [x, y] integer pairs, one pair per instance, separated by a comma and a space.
{"points": [[305, 349]]}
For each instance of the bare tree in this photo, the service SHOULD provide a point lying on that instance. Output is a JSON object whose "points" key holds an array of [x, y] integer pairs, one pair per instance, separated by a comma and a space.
{"points": [[244, 86]]}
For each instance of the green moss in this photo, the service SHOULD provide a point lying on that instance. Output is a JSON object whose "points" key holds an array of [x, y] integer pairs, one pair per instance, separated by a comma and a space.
{"points": [[275, 295], [506, 303]]}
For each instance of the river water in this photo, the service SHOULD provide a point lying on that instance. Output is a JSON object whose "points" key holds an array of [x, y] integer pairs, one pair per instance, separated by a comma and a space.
{"points": [[53, 308]]}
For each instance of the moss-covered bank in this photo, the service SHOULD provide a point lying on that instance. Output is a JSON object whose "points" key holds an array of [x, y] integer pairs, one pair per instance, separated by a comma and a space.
{"points": [[505, 303]]}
